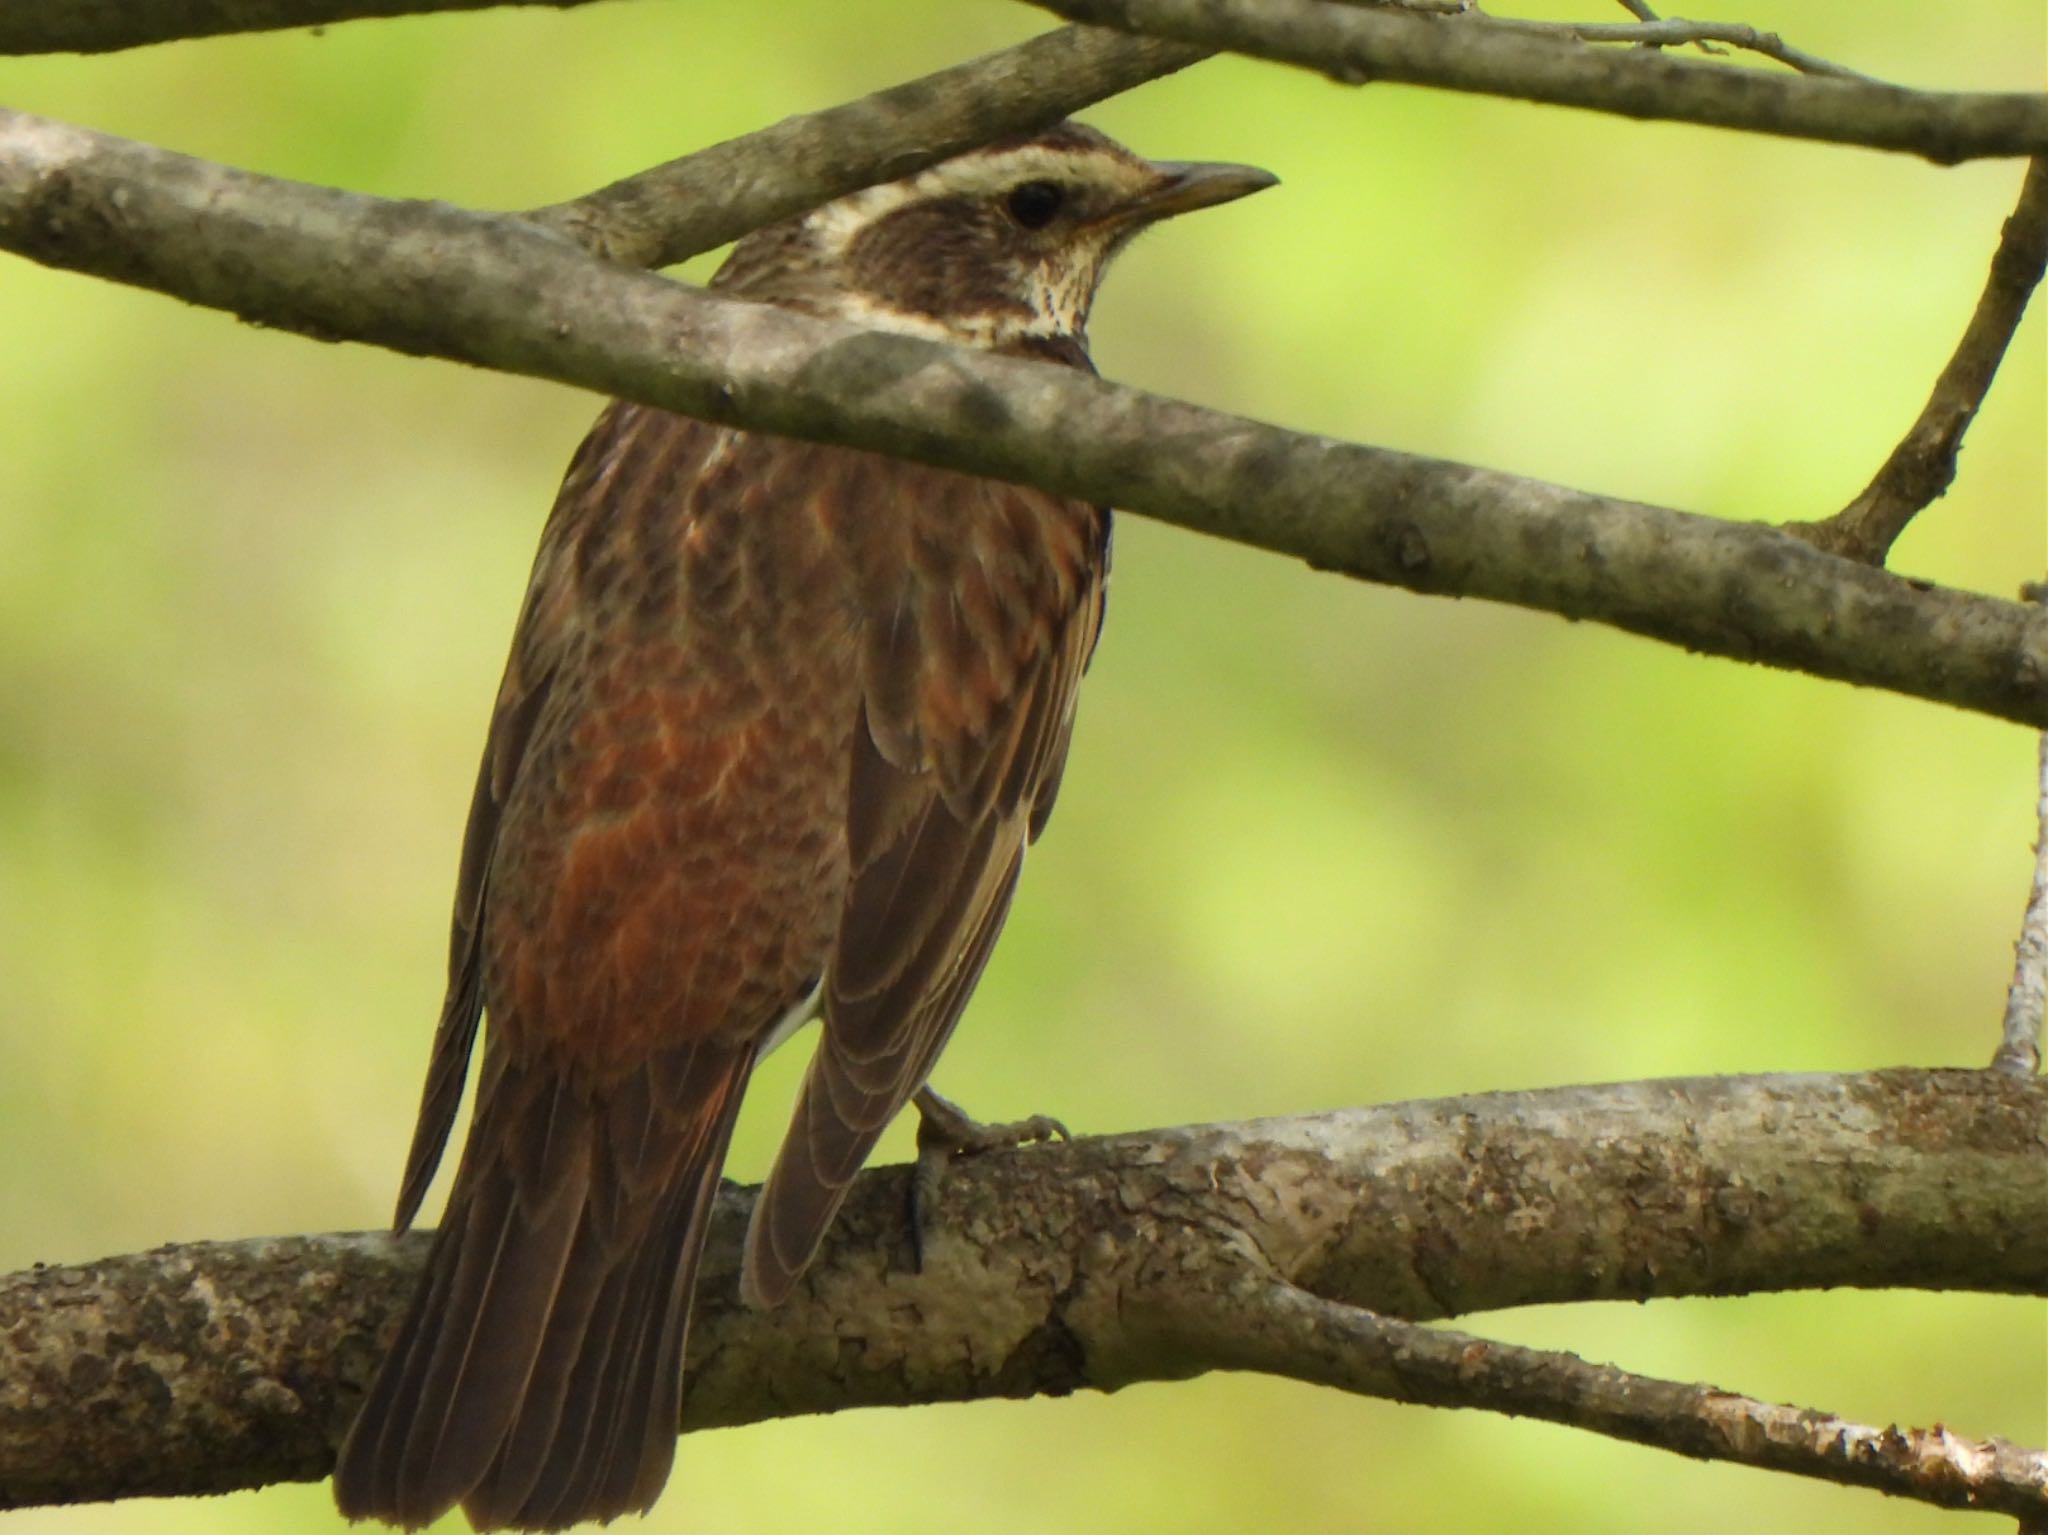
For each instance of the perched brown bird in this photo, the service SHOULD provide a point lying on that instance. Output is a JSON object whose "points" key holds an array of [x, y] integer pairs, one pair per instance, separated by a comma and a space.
{"points": [[778, 722]]}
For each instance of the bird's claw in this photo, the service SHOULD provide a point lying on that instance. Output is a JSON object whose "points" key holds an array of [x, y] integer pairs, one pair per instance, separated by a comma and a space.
{"points": [[945, 1131]]}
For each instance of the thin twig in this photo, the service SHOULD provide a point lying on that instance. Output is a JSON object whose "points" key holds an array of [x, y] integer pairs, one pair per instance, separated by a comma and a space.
{"points": [[1923, 465], [2026, 999], [1676, 33], [1639, 10], [1476, 53], [1284, 1330], [429, 278], [673, 211]]}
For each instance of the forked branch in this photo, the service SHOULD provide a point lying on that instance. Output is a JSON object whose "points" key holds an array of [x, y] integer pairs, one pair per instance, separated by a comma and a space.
{"points": [[1279, 1329], [1921, 468], [1149, 1257], [1652, 32]]}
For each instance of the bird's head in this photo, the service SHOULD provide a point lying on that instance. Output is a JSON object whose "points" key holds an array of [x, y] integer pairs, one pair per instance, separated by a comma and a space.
{"points": [[1000, 248]]}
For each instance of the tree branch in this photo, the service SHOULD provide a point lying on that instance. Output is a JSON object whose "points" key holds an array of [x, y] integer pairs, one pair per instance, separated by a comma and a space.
{"points": [[431, 279], [1921, 468], [1099, 1263], [1472, 53], [699, 202], [1652, 32], [696, 203], [1281, 1330], [2026, 999], [102, 26]]}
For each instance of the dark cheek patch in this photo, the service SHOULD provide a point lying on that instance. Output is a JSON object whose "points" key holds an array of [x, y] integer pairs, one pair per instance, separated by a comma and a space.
{"points": [[939, 258]]}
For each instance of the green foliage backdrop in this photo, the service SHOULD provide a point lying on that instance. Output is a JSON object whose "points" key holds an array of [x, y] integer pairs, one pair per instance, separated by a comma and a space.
{"points": [[1320, 844]]}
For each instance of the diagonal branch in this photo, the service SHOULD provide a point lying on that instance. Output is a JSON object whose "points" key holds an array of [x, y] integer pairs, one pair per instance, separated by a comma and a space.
{"points": [[1097, 1263], [432, 279], [102, 26], [1472, 53], [694, 204], [1921, 468], [1279, 1329]]}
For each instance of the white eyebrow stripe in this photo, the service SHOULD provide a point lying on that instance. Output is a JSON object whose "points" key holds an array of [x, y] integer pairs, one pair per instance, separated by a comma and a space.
{"points": [[984, 175]]}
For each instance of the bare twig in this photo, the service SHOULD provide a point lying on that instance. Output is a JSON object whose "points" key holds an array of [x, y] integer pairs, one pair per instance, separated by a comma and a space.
{"points": [[1922, 466], [1475, 53], [1280, 1329], [1675, 33], [101, 26], [2026, 999], [693, 204], [429, 278], [1096, 1263]]}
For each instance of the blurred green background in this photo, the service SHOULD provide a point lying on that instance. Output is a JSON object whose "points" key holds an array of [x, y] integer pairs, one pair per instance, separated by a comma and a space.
{"points": [[1320, 844]]}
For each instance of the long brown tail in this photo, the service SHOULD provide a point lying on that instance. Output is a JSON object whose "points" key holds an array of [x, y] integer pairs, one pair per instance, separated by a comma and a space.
{"points": [[537, 1377]]}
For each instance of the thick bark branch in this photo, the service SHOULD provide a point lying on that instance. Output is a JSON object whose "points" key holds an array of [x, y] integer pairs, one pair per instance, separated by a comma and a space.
{"points": [[1100, 1263], [699, 202], [1921, 468], [429, 278], [102, 26], [1472, 53]]}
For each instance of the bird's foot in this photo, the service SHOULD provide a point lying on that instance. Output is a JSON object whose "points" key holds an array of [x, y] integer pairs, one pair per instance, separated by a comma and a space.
{"points": [[944, 1131]]}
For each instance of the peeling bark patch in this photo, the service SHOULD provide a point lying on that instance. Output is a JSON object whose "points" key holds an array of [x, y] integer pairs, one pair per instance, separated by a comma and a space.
{"points": [[1050, 1361]]}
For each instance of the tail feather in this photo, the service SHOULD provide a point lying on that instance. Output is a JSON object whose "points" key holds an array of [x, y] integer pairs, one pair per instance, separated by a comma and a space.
{"points": [[536, 1379], [464, 1353], [538, 1427], [613, 1445]]}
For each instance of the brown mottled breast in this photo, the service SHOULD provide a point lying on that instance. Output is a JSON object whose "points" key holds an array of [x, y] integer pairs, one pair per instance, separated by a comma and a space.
{"points": [[659, 848]]}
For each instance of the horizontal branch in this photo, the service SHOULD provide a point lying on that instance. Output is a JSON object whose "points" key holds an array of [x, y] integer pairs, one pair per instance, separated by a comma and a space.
{"points": [[664, 215], [1356, 44], [427, 278], [431, 279], [102, 26], [1096, 1264]]}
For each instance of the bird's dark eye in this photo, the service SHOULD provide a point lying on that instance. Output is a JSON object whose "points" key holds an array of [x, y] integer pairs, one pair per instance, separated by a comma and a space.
{"points": [[1035, 203]]}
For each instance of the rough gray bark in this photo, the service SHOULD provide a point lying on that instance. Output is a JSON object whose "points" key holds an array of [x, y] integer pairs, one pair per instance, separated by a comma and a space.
{"points": [[1141, 1257], [664, 215], [433, 279], [1356, 44]]}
